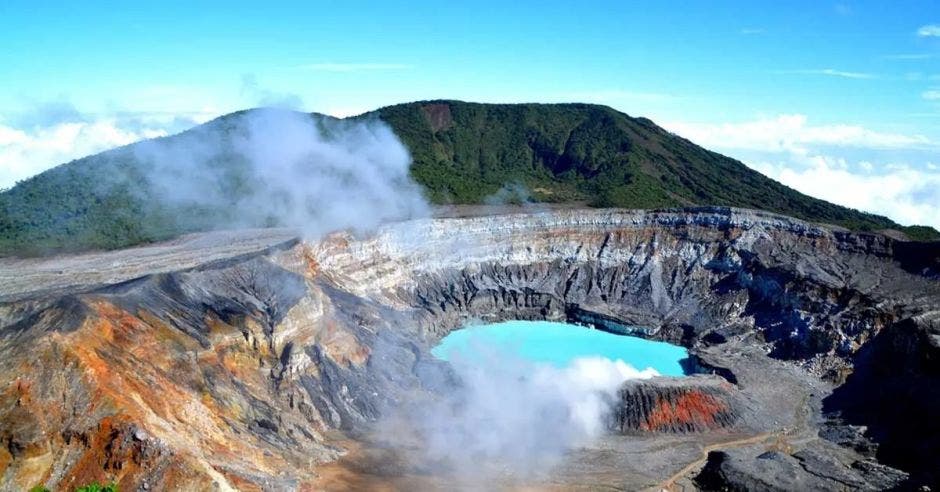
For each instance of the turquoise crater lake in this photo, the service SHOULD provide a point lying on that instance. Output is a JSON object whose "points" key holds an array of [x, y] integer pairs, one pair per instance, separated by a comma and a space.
{"points": [[559, 344]]}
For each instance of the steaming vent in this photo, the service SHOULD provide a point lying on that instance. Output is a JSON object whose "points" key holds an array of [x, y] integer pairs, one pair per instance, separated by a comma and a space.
{"points": [[684, 405]]}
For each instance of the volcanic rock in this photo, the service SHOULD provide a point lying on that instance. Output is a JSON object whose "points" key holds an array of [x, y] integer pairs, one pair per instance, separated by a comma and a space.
{"points": [[252, 359], [664, 404]]}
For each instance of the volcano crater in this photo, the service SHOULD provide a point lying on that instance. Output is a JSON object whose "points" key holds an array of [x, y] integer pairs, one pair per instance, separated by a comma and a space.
{"points": [[279, 367]]}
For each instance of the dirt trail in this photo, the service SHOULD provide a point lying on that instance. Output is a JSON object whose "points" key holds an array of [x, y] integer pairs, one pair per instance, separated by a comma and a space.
{"points": [[669, 483], [781, 435]]}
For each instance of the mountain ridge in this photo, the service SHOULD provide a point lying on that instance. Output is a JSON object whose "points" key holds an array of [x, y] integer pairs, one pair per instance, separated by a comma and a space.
{"points": [[461, 152]]}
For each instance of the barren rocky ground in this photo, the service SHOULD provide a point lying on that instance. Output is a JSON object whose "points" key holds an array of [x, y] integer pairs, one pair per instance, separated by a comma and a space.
{"points": [[256, 360]]}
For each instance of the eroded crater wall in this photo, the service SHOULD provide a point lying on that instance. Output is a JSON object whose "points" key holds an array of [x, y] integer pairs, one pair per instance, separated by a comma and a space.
{"points": [[233, 372]]}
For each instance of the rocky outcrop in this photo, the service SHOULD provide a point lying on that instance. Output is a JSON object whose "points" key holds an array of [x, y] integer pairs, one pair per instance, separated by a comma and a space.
{"points": [[810, 469], [814, 294], [894, 394], [252, 370], [679, 405]]}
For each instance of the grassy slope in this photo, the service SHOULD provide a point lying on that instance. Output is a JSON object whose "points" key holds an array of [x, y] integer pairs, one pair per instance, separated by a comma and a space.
{"points": [[462, 153]]}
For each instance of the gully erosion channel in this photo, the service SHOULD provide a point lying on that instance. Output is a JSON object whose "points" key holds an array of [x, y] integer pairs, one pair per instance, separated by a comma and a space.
{"points": [[258, 360]]}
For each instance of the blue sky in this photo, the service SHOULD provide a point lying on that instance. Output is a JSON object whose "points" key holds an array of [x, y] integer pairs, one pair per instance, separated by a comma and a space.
{"points": [[838, 99]]}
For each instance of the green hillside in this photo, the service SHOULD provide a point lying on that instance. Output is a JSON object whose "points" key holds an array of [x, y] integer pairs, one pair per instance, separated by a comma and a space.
{"points": [[463, 152], [581, 152]]}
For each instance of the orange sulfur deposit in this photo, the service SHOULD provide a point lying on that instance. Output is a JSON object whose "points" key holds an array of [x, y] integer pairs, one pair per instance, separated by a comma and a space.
{"points": [[680, 405]]}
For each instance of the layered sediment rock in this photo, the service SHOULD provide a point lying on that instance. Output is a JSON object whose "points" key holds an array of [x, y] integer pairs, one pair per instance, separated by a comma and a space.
{"points": [[236, 372]]}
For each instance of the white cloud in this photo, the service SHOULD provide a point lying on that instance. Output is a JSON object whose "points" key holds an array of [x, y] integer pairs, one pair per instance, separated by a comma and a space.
{"points": [[346, 111], [930, 30], [831, 72], [42, 135], [792, 133], [787, 148], [905, 194], [25, 152], [355, 67], [931, 95]]}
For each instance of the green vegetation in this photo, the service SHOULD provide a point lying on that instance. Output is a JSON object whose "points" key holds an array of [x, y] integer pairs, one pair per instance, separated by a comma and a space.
{"points": [[74, 206], [95, 487], [463, 152], [921, 233], [92, 487]]}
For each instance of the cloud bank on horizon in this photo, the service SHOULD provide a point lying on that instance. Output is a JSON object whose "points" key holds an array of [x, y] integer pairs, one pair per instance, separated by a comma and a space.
{"points": [[889, 174]]}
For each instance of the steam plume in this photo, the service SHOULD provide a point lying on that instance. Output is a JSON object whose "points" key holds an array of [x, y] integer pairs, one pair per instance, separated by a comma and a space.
{"points": [[510, 417], [273, 167]]}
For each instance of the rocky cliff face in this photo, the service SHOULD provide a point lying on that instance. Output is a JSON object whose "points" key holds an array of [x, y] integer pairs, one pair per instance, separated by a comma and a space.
{"points": [[252, 370], [812, 293]]}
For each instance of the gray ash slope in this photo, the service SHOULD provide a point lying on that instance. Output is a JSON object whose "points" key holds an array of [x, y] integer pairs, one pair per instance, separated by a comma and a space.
{"points": [[827, 342]]}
